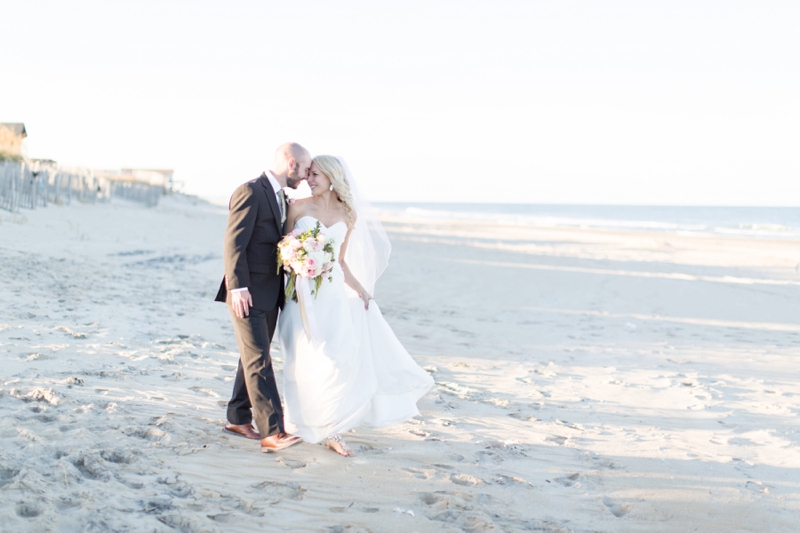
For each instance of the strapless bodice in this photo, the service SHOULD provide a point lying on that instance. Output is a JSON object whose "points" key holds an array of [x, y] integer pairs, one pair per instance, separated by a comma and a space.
{"points": [[337, 231]]}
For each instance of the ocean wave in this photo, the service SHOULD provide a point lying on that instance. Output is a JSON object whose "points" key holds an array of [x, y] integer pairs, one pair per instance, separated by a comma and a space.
{"points": [[781, 223], [765, 227], [545, 221], [782, 233]]}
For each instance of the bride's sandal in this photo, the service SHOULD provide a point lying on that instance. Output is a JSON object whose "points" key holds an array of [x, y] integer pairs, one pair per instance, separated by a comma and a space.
{"points": [[337, 444]]}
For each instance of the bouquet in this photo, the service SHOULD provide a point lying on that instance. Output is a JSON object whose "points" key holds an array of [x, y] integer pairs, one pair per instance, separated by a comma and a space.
{"points": [[308, 254]]}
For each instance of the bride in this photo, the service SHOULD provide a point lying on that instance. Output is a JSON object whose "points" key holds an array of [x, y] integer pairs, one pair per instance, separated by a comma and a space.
{"points": [[353, 370]]}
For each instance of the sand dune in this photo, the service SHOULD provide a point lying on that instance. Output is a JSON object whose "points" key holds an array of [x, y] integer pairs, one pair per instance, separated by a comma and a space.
{"points": [[587, 380]]}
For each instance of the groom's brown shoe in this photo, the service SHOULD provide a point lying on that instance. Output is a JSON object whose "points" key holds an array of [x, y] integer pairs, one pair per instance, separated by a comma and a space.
{"points": [[245, 430], [279, 441]]}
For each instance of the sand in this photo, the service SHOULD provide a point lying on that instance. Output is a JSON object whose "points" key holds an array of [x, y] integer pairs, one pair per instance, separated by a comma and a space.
{"points": [[586, 380]]}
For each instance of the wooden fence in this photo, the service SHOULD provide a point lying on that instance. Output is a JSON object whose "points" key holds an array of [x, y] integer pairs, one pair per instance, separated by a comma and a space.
{"points": [[32, 185]]}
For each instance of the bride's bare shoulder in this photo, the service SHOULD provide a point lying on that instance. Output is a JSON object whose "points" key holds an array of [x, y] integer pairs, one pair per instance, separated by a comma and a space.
{"points": [[300, 206], [302, 201], [298, 209]]}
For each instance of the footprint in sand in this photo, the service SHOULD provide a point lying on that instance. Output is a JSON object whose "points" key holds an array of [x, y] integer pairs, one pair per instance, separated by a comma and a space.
{"points": [[459, 509], [741, 463], [291, 463], [502, 479], [520, 416], [36, 357], [179, 522], [569, 481], [27, 510], [602, 462], [67, 503], [130, 483], [348, 529], [417, 473], [7, 475], [207, 392], [756, 486], [499, 402], [366, 448], [45, 418], [273, 492], [465, 480], [570, 425], [618, 510], [225, 518], [90, 467], [151, 434], [118, 456], [488, 458]]}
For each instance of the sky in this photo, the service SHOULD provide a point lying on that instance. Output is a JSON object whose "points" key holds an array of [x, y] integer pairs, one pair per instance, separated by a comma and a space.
{"points": [[555, 101]]}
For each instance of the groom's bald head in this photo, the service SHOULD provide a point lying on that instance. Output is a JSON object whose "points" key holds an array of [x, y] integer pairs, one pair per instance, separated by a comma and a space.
{"points": [[292, 162], [288, 151]]}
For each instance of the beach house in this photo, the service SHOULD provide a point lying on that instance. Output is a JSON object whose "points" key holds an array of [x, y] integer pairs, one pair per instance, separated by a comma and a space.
{"points": [[157, 177], [11, 136]]}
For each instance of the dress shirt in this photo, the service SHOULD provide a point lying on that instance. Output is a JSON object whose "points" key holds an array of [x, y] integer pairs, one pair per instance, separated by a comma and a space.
{"points": [[277, 188]]}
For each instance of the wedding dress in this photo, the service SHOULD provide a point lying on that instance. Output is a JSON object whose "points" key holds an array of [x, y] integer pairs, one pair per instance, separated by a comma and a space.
{"points": [[354, 371]]}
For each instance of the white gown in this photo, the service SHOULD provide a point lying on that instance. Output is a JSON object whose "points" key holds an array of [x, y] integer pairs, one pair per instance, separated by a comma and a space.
{"points": [[356, 373]]}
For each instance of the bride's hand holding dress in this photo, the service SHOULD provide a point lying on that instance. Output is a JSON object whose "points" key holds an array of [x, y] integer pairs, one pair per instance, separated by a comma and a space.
{"points": [[349, 279]]}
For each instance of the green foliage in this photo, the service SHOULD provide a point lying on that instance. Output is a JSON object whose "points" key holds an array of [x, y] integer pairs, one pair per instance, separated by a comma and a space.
{"points": [[290, 292], [11, 157]]}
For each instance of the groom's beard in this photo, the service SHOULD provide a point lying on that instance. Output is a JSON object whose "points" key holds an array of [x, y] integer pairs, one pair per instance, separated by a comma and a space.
{"points": [[293, 181]]}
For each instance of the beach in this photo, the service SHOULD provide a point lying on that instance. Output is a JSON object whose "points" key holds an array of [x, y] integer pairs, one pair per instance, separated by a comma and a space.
{"points": [[587, 380]]}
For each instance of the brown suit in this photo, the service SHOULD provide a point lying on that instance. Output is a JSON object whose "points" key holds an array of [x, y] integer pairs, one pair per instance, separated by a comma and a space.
{"points": [[250, 255]]}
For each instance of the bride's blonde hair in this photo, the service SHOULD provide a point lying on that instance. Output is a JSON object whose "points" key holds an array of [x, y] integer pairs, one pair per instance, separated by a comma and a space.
{"points": [[334, 171]]}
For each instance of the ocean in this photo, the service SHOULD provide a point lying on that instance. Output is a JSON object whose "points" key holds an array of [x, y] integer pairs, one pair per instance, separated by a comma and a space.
{"points": [[752, 222]]}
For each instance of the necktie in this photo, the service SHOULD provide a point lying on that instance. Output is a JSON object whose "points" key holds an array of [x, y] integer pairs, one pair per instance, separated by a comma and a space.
{"points": [[282, 205]]}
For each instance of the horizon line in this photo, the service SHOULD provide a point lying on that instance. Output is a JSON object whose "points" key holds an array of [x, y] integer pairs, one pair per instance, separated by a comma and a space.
{"points": [[215, 199]]}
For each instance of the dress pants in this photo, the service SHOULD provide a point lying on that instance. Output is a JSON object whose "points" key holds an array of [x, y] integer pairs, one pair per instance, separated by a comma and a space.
{"points": [[255, 385]]}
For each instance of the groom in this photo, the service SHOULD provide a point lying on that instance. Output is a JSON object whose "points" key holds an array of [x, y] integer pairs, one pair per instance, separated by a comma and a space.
{"points": [[253, 290]]}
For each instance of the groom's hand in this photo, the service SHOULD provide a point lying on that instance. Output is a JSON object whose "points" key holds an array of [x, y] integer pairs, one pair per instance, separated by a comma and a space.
{"points": [[241, 302]]}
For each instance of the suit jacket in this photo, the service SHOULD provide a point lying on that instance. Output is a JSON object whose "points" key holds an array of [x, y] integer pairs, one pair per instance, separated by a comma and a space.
{"points": [[250, 247]]}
